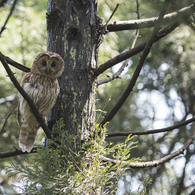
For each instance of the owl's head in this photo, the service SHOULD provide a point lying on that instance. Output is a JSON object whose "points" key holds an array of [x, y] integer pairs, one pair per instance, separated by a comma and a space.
{"points": [[48, 64]]}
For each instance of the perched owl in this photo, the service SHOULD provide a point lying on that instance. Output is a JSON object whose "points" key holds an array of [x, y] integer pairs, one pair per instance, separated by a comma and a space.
{"points": [[41, 85]]}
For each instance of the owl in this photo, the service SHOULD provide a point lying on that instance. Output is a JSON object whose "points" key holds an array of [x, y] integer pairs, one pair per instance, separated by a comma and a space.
{"points": [[42, 86]]}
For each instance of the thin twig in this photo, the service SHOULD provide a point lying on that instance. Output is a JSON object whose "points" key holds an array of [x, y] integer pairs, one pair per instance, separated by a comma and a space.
{"points": [[6, 21], [112, 14], [146, 51], [104, 27], [26, 97]]}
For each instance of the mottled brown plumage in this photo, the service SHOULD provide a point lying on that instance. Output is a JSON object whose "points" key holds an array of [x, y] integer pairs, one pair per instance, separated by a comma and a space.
{"points": [[41, 85]]}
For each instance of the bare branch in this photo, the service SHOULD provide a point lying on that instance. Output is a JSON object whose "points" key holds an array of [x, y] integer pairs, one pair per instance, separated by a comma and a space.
{"points": [[26, 97], [17, 152], [155, 162], [149, 22], [167, 129], [6, 21], [146, 51]]}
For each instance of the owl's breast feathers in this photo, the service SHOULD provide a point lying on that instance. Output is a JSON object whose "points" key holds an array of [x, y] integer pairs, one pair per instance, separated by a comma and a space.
{"points": [[42, 90]]}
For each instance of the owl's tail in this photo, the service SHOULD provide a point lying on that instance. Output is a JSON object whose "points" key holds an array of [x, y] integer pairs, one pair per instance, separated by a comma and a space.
{"points": [[27, 139]]}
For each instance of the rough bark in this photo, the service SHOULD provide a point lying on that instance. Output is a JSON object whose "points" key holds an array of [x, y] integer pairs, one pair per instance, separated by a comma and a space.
{"points": [[72, 28]]}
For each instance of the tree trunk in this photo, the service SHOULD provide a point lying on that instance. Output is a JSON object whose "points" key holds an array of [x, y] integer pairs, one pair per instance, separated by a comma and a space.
{"points": [[72, 28]]}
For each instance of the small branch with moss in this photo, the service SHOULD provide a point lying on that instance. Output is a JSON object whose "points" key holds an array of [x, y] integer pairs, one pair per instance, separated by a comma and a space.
{"points": [[26, 97], [135, 76]]}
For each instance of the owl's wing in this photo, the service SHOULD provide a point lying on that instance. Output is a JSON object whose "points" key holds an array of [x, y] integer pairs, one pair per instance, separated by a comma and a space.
{"points": [[25, 79]]}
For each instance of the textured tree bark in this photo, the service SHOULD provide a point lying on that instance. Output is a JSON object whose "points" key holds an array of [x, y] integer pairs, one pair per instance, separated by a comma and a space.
{"points": [[72, 28]]}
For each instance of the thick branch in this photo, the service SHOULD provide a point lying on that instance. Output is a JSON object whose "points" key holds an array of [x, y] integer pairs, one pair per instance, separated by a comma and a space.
{"points": [[26, 97], [146, 51], [149, 22], [17, 152], [6, 21], [155, 162], [116, 134]]}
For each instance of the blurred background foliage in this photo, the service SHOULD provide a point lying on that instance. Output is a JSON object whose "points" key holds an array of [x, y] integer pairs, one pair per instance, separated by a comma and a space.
{"points": [[163, 95]]}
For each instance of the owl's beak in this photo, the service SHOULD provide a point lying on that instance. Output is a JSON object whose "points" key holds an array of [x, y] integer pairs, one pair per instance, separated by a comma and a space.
{"points": [[48, 69]]}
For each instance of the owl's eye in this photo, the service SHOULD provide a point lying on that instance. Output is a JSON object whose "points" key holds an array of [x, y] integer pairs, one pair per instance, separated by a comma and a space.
{"points": [[44, 63], [53, 64]]}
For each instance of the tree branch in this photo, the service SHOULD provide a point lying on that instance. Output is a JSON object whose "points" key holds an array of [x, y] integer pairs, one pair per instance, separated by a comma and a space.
{"points": [[146, 51], [17, 152], [167, 129], [6, 21], [17, 65], [26, 97], [149, 22], [155, 162]]}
